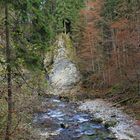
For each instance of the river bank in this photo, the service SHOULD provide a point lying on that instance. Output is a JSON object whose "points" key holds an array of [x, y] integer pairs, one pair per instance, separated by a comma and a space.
{"points": [[122, 125]]}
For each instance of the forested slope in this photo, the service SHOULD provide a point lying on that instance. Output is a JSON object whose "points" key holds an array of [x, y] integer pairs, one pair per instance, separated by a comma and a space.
{"points": [[27, 31], [109, 50], [106, 39]]}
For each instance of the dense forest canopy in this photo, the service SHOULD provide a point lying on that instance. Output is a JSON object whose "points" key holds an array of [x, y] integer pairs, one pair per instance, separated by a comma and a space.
{"points": [[34, 24]]}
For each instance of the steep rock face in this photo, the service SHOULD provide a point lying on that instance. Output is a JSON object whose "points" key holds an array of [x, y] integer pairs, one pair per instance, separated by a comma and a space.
{"points": [[63, 73]]}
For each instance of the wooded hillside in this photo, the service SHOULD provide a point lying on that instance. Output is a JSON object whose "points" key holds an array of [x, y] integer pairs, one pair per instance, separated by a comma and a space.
{"points": [[106, 39], [109, 49]]}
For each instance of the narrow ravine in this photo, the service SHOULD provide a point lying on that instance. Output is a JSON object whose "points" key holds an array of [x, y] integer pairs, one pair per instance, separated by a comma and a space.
{"points": [[61, 120]]}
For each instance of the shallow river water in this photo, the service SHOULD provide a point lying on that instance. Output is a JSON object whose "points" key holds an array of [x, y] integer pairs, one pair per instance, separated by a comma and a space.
{"points": [[63, 121]]}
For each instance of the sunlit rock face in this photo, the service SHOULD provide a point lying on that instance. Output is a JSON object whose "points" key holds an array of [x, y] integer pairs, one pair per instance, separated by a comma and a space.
{"points": [[63, 74]]}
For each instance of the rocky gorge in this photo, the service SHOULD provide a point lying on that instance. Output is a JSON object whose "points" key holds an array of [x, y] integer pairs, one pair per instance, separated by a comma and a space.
{"points": [[77, 120]]}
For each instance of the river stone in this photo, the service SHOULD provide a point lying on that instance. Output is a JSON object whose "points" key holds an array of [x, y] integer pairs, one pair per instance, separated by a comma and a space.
{"points": [[97, 120], [64, 74], [111, 123]]}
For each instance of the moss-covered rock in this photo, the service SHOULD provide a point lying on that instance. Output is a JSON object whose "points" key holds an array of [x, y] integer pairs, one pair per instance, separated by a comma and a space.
{"points": [[60, 63], [97, 120], [111, 123]]}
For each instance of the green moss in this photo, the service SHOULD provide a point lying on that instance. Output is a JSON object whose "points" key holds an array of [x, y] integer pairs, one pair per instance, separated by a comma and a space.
{"points": [[110, 123], [53, 50], [71, 54], [97, 120], [69, 47], [3, 114], [116, 88]]}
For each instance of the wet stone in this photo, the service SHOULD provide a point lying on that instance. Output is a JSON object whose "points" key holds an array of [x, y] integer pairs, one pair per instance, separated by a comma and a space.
{"points": [[111, 123], [81, 118], [97, 120], [64, 126], [90, 132], [63, 121]]}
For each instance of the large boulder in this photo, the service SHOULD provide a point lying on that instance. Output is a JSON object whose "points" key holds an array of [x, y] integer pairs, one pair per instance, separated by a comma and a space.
{"points": [[63, 73]]}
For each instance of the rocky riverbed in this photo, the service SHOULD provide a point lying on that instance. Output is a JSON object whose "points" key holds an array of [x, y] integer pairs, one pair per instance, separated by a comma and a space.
{"points": [[62, 120], [88, 120], [122, 125]]}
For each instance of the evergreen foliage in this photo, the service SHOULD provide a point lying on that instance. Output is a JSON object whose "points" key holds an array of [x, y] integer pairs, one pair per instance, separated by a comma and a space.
{"points": [[32, 26]]}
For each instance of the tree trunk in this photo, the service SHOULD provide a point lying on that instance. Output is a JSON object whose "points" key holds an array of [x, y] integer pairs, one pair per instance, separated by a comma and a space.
{"points": [[9, 79], [114, 47]]}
